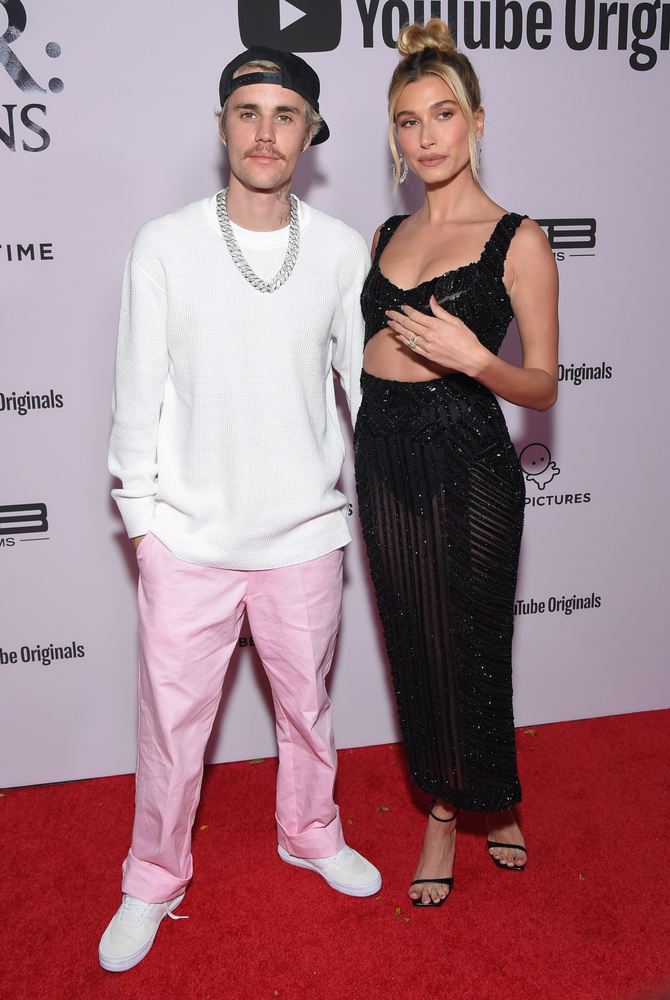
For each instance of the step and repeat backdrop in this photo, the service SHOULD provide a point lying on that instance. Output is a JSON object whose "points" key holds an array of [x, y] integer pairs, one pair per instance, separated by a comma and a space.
{"points": [[107, 120]]}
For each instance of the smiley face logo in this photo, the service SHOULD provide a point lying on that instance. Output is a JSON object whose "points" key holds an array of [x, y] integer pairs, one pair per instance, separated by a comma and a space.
{"points": [[534, 459], [537, 465]]}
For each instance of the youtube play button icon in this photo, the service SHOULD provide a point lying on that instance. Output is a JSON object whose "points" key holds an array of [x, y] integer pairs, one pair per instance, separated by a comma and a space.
{"points": [[291, 25]]}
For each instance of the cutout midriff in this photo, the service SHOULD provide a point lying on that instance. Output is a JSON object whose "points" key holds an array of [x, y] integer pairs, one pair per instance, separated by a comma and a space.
{"points": [[387, 358]]}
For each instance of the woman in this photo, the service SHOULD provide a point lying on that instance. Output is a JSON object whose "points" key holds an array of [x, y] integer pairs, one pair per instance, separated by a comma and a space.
{"points": [[441, 493]]}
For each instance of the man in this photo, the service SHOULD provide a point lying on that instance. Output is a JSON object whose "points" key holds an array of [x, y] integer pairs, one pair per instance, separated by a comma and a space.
{"points": [[236, 310]]}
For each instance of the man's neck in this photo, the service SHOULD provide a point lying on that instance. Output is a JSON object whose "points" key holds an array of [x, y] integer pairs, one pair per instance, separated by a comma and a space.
{"points": [[259, 211]]}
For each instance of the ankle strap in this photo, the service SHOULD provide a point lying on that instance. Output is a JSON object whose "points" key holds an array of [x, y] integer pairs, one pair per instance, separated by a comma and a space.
{"points": [[439, 820]]}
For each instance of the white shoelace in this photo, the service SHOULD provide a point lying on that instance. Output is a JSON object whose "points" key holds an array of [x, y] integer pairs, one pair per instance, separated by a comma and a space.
{"points": [[133, 910], [342, 856]]}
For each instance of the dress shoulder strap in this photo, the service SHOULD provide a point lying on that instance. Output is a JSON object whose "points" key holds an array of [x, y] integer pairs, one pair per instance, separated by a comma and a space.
{"points": [[496, 249], [386, 232]]}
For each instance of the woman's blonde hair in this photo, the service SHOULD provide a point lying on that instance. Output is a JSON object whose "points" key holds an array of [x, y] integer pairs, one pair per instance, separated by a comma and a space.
{"points": [[432, 51], [313, 120]]}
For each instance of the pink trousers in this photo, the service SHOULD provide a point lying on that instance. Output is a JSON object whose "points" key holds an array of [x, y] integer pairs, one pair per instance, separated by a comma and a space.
{"points": [[190, 619]]}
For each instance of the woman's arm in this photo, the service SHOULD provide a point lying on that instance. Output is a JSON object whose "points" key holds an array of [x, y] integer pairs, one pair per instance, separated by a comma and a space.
{"points": [[532, 280], [533, 293]]}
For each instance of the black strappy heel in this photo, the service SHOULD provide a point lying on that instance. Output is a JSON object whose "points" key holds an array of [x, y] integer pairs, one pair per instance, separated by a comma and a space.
{"points": [[440, 881], [515, 847]]}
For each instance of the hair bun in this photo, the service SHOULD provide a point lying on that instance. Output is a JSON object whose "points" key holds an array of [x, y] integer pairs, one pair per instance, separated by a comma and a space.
{"points": [[436, 35]]}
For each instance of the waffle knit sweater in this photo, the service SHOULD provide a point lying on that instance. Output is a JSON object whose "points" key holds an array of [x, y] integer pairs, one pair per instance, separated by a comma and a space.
{"points": [[226, 438]]}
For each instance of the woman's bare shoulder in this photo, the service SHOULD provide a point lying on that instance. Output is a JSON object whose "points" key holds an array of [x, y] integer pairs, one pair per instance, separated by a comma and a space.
{"points": [[530, 259], [530, 238], [530, 247]]}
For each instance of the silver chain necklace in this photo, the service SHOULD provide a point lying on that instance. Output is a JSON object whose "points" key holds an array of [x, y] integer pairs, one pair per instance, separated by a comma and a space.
{"points": [[238, 257]]}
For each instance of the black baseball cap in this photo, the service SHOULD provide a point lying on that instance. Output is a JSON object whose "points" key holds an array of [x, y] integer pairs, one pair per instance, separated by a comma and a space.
{"points": [[295, 75]]}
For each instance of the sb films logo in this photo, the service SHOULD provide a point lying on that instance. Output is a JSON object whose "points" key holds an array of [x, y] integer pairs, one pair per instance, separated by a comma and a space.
{"points": [[22, 78], [292, 25], [23, 519], [578, 235]]}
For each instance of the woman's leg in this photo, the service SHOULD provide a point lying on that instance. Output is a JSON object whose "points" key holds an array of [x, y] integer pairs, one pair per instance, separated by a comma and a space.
{"points": [[437, 855]]}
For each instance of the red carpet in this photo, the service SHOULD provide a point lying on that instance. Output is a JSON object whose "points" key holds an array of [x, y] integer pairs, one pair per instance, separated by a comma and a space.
{"points": [[589, 918]]}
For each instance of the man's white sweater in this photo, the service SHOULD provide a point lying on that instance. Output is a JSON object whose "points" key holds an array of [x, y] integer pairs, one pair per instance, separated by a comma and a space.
{"points": [[226, 438]]}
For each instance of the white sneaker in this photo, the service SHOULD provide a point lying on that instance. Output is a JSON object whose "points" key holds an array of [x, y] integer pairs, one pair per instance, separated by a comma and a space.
{"points": [[347, 871], [131, 932]]}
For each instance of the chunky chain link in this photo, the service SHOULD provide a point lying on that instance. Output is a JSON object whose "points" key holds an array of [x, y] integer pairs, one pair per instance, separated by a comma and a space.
{"points": [[238, 257]]}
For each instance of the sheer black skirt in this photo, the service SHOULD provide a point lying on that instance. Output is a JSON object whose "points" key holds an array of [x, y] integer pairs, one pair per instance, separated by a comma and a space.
{"points": [[441, 499]]}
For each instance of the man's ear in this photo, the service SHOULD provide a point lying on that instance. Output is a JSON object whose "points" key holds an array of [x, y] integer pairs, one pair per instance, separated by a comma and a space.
{"points": [[308, 139]]}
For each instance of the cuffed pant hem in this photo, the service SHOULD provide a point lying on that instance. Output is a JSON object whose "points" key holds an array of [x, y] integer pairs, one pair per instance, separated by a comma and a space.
{"points": [[151, 883], [321, 842]]}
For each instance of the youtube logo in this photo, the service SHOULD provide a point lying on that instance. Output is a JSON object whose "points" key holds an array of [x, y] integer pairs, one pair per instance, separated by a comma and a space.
{"points": [[291, 25]]}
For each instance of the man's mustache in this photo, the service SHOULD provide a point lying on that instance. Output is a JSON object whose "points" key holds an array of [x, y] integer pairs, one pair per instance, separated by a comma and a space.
{"points": [[263, 149]]}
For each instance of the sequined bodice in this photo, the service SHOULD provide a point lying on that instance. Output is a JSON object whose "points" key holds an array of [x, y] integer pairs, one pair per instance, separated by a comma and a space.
{"points": [[474, 293]]}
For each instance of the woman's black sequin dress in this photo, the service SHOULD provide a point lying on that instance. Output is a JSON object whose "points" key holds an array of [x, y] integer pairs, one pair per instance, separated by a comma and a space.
{"points": [[441, 499]]}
